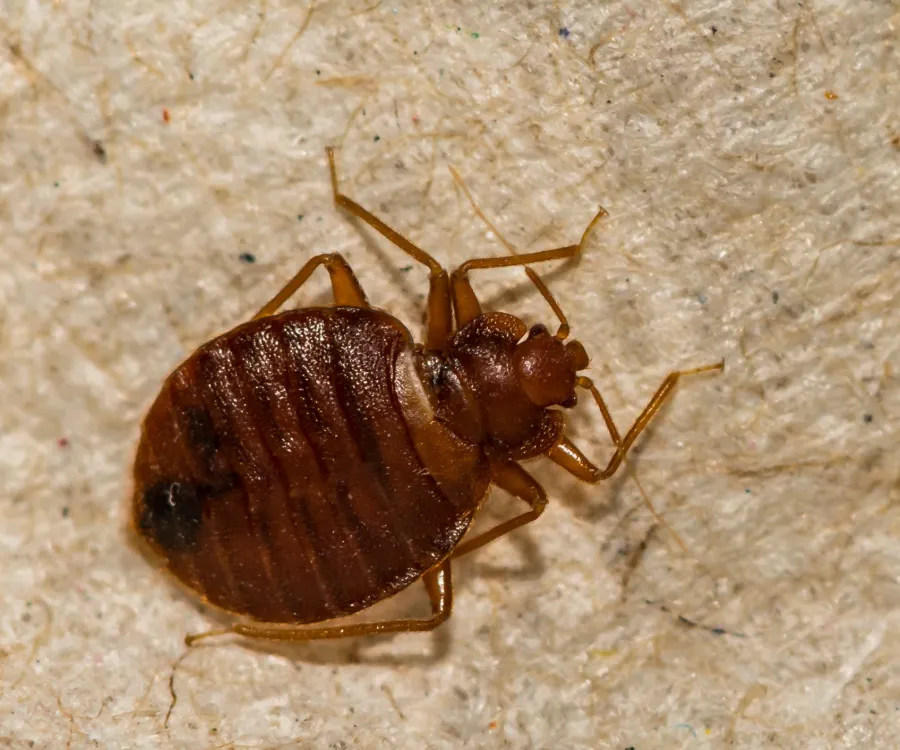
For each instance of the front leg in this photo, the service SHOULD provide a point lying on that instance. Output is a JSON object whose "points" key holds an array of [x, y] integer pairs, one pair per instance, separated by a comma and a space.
{"points": [[567, 455]]}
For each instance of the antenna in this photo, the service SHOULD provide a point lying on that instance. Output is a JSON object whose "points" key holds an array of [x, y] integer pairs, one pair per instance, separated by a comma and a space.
{"points": [[563, 330]]}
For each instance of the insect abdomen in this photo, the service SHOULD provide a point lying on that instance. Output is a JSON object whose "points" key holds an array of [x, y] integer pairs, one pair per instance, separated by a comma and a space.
{"points": [[278, 477]]}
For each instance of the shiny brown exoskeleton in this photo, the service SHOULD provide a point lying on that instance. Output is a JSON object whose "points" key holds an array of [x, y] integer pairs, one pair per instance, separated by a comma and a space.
{"points": [[312, 462]]}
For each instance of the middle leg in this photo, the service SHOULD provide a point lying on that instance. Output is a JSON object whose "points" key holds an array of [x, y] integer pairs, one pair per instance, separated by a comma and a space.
{"points": [[440, 316], [511, 477]]}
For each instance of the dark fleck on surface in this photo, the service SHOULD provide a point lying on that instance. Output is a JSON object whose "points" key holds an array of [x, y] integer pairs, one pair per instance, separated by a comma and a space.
{"points": [[713, 29], [247, 257], [564, 32], [405, 269], [173, 513], [65, 511], [299, 217], [775, 297], [99, 151], [867, 418], [377, 138]]}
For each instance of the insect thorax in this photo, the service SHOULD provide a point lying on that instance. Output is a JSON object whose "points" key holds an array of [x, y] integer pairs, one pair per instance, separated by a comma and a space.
{"points": [[479, 391]]}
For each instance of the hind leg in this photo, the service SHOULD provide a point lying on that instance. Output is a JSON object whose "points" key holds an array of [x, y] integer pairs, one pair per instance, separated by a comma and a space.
{"points": [[344, 284], [437, 582]]}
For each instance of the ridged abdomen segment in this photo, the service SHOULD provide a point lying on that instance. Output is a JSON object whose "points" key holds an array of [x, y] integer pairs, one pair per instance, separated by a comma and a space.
{"points": [[277, 475]]}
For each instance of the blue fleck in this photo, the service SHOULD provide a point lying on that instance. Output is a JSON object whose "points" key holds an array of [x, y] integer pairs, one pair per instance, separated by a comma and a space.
{"points": [[564, 32]]}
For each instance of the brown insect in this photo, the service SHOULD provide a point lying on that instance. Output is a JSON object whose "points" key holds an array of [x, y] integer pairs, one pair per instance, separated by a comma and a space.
{"points": [[311, 462]]}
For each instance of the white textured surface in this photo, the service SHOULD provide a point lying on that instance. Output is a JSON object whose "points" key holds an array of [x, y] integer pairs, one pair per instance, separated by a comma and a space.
{"points": [[754, 215]]}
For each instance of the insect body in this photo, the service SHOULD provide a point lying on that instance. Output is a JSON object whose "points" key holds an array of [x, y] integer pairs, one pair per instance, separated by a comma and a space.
{"points": [[312, 462]]}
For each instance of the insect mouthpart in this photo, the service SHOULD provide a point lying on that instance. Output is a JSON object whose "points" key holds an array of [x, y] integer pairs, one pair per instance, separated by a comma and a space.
{"points": [[547, 368]]}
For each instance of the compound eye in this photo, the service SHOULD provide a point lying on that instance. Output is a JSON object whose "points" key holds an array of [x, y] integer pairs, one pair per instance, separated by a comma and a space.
{"points": [[570, 401], [538, 329]]}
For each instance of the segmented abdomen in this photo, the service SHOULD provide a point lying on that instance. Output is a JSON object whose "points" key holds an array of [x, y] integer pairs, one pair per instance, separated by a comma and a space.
{"points": [[276, 474]]}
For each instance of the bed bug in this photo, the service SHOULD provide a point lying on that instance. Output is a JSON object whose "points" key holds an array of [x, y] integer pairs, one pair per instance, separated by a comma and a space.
{"points": [[314, 461]]}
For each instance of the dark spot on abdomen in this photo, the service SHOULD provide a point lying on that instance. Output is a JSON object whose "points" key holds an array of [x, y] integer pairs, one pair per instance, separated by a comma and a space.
{"points": [[201, 435], [209, 446], [173, 513]]}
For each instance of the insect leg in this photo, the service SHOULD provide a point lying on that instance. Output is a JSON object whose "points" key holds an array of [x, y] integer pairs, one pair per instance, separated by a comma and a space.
{"points": [[516, 481], [438, 584], [466, 304], [440, 321], [344, 284], [538, 282], [569, 457]]}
